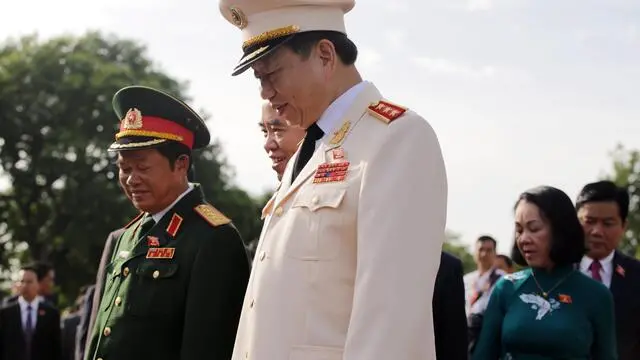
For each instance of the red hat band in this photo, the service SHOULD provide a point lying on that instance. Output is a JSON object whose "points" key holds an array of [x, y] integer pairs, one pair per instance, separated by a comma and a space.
{"points": [[135, 124]]}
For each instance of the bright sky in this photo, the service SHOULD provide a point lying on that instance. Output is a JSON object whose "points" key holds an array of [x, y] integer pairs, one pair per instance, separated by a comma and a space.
{"points": [[520, 92]]}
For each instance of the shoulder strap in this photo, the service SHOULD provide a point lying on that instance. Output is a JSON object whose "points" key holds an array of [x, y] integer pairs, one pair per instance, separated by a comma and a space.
{"points": [[212, 215]]}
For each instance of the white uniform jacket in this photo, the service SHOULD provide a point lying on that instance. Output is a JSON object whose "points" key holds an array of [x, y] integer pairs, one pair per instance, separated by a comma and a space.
{"points": [[347, 259]]}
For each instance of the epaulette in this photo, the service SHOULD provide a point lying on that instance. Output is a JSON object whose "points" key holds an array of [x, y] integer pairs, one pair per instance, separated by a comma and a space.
{"points": [[386, 111], [134, 220], [211, 215]]}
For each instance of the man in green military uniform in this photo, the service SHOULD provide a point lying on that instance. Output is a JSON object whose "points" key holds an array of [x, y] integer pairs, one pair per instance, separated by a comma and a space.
{"points": [[176, 280]]}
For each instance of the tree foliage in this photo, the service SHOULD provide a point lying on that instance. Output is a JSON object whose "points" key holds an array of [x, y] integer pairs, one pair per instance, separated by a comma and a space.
{"points": [[453, 246], [626, 172], [56, 122]]}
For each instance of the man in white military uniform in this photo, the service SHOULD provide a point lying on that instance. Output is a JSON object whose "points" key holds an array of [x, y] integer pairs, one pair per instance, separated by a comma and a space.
{"points": [[348, 256]]}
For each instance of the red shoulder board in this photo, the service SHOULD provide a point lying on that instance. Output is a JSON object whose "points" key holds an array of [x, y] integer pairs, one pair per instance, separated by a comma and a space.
{"points": [[134, 220], [386, 111]]}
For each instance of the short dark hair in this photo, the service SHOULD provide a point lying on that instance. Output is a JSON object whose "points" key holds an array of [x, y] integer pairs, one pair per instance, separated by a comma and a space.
{"points": [[567, 236], [302, 44], [605, 191], [487, 238], [42, 269], [172, 150], [507, 260], [32, 268]]}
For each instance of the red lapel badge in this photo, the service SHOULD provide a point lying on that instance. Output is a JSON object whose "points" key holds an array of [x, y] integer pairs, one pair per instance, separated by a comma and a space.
{"points": [[153, 241], [174, 225], [620, 270], [565, 299], [41, 312], [161, 253]]}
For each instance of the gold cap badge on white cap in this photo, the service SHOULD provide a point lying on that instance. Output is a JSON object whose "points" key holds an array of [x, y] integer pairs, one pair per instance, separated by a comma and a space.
{"points": [[265, 24]]}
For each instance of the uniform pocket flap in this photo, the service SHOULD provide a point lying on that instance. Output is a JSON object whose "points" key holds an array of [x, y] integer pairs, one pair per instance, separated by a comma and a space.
{"points": [[318, 199], [111, 270], [156, 270]]}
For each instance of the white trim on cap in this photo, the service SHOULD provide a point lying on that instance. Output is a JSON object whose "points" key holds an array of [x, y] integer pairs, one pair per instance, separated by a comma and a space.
{"points": [[306, 18]]}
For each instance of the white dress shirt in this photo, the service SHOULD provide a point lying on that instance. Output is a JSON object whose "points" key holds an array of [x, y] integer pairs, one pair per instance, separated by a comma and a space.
{"points": [[606, 271], [158, 216], [24, 311], [475, 283]]}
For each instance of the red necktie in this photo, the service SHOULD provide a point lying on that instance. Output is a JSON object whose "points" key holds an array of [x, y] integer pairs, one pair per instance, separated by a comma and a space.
{"points": [[595, 268]]}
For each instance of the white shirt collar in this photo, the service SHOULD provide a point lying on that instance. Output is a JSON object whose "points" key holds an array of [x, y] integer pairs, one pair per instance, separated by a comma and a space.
{"points": [[34, 303], [157, 216], [606, 273], [606, 262], [336, 110]]}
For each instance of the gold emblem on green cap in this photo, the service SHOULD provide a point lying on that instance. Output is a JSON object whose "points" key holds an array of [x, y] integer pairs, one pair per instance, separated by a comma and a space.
{"points": [[132, 120]]}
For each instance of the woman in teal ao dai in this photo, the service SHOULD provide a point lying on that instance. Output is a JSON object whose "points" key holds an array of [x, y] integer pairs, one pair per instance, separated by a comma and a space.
{"points": [[550, 311]]}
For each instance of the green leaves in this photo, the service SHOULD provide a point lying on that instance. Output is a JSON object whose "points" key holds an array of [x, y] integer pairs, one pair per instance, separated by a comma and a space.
{"points": [[626, 172]]}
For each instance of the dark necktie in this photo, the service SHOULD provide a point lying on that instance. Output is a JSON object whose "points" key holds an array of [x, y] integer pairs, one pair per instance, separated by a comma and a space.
{"points": [[147, 224], [28, 331], [306, 150], [595, 270]]}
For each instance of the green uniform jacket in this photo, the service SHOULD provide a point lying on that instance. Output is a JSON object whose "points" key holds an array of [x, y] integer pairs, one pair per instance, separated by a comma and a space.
{"points": [[180, 304], [574, 322]]}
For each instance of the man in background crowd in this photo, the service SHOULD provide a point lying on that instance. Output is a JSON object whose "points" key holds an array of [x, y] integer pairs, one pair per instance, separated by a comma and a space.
{"points": [[30, 326], [46, 285], [70, 326], [602, 209], [478, 285], [280, 140], [504, 263]]}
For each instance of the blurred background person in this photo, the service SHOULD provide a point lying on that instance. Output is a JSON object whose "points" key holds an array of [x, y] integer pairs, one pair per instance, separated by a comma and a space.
{"points": [[30, 326], [70, 324], [504, 263], [478, 285], [603, 208], [280, 140], [46, 285], [550, 310]]}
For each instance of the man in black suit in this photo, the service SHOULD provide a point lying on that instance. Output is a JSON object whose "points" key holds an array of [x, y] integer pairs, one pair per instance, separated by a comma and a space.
{"points": [[602, 209], [45, 290], [29, 327], [449, 318], [93, 295]]}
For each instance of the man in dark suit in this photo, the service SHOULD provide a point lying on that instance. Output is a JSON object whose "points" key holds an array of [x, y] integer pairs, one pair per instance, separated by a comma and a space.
{"points": [[29, 327], [449, 318], [602, 209], [176, 280], [93, 295], [45, 290]]}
